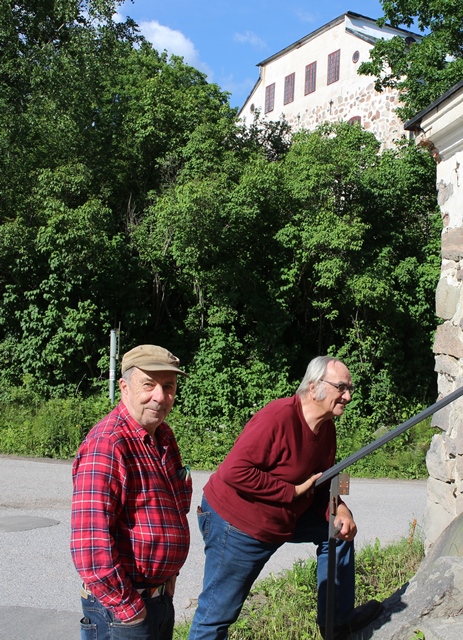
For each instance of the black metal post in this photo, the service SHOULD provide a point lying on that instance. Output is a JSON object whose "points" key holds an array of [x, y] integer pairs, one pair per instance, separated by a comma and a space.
{"points": [[333, 475], [330, 578]]}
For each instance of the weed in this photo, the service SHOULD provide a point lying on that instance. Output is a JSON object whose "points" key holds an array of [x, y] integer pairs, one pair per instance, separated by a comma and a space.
{"points": [[284, 607]]}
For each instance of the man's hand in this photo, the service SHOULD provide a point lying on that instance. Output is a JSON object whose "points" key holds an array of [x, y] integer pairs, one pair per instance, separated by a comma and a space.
{"points": [[345, 520], [305, 487], [138, 618]]}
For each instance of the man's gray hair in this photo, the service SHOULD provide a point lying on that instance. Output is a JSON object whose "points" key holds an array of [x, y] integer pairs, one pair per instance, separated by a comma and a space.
{"points": [[314, 374], [127, 374]]}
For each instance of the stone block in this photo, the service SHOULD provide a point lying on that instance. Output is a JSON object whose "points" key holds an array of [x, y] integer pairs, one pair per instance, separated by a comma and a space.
{"points": [[441, 629], [444, 386], [437, 462], [449, 448], [442, 493], [452, 243], [441, 418], [459, 499], [447, 299], [448, 340], [444, 192], [457, 405], [435, 520], [448, 265], [447, 365]]}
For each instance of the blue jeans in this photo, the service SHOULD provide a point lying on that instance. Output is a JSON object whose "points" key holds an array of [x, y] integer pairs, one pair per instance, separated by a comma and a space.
{"points": [[234, 561], [158, 624]]}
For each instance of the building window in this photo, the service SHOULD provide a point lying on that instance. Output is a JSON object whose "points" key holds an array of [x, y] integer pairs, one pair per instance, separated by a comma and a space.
{"points": [[356, 57], [310, 78], [355, 120], [269, 98], [289, 88], [333, 66]]}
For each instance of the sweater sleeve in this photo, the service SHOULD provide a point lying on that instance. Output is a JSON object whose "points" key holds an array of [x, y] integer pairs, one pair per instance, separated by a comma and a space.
{"points": [[252, 466]]}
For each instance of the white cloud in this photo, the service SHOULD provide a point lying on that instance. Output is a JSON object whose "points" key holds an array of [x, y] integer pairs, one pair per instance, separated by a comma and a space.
{"points": [[306, 16], [175, 42], [248, 37]]}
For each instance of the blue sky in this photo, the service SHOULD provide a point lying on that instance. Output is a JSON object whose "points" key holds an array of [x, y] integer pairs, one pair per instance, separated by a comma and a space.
{"points": [[227, 39]]}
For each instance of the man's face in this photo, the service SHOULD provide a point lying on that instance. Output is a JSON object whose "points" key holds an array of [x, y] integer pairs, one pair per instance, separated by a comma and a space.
{"points": [[149, 396], [330, 398]]}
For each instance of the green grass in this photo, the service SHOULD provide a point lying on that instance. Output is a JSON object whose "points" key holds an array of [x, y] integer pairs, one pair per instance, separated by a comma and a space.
{"points": [[284, 607]]}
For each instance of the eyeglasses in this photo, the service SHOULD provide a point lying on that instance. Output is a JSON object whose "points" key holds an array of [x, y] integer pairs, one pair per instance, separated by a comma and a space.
{"points": [[342, 387]]}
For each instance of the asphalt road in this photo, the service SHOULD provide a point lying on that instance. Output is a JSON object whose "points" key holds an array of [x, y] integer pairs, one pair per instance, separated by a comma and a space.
{"points": [[40, 596]]}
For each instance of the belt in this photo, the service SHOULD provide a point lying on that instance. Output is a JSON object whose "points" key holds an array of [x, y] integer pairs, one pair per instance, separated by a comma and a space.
{"points": [[148, 592], [152, 592]]}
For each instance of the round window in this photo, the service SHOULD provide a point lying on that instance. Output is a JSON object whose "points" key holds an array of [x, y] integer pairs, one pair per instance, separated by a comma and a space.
{"points": [[356, 56]]}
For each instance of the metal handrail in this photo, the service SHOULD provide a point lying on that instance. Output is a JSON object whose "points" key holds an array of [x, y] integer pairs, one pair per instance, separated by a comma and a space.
{"points": [[387, 437], [334, 471]]}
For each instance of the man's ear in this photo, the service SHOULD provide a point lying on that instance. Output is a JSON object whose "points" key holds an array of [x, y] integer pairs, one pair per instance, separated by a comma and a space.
{"points": [[123, 386]]}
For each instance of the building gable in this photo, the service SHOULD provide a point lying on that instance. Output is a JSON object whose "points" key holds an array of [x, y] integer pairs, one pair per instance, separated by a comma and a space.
{"points": [[315, 79]]}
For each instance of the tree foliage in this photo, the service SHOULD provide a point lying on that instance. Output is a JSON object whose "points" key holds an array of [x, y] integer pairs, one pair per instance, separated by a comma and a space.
{"points": [[422, 71], [131, 196], [91, 120]]}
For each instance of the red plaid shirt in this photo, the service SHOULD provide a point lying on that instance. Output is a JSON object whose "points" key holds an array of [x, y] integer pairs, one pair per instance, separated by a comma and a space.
{"points": [[129, 511]]}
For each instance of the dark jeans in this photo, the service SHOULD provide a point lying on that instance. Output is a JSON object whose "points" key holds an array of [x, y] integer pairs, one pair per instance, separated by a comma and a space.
{"points": [[234, 560], [158, 624]]}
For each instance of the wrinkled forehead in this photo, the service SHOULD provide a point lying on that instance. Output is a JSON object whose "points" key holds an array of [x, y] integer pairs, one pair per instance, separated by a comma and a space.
{"points": [[339, 371]]}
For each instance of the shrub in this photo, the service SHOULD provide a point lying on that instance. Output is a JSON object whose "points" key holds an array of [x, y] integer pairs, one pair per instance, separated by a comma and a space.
{"points": [[52, 428]]}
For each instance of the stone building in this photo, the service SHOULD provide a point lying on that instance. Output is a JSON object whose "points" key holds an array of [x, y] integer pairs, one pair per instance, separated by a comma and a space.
{"points": [[440, 128], [315, 80]]}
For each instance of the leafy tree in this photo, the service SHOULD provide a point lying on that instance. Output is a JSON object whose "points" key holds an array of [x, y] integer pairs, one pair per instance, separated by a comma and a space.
{"points": [[421, 71], [129, 193], [92, 119], [330, 247], [365, 243]]}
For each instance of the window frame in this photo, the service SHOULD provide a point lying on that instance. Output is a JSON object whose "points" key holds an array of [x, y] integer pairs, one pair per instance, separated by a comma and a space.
{"points": [[334, 66], [269, 98], [310, 83], [290, 82]]}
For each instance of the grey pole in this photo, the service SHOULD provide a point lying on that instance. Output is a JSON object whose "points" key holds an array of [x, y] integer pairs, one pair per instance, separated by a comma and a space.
{"points": [[112, 364]]}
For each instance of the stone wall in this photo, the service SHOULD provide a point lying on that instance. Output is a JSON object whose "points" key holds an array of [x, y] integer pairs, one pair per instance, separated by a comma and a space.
{"points": [[376, 112], [445, 456], [440, 129]]}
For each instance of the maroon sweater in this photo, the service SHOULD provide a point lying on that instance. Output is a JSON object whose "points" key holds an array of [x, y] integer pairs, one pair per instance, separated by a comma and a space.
{"points": [[253, 488]]}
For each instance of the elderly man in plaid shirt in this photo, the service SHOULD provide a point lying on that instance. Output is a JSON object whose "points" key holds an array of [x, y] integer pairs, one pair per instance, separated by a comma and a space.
{"points": [[130, 534]]}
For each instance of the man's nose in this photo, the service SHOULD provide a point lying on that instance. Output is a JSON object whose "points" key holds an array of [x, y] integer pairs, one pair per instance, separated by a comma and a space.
{"points": [[158, 394]]}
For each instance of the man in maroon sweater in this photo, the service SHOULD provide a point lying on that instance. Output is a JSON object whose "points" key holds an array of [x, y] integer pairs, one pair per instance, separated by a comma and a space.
{"points": [[262, 496]]}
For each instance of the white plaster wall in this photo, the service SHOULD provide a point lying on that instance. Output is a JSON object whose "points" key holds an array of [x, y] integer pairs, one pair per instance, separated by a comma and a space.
{"points": [[352, 95], [449, 187]]}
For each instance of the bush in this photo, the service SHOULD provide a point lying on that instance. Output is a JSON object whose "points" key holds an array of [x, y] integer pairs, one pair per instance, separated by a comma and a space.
{"points": [[52, 428]]}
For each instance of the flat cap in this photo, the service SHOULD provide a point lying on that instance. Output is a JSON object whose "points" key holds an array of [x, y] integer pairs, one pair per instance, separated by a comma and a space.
{"points": [[151, 358]]}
